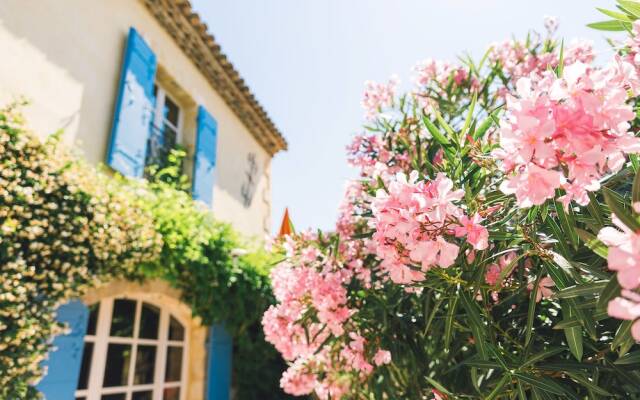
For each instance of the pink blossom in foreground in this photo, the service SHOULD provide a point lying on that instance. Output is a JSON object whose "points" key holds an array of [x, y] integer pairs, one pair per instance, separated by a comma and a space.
{"points": [[566, 132], [624, 253], [544, 288], [477, 235], [413, 221], [627, 307]]}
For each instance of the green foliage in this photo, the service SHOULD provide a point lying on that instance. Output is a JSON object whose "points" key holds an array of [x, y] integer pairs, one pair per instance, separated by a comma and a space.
{"points": [[65, 226]]}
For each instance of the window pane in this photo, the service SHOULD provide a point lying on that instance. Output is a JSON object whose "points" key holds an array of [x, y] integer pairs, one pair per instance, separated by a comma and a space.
{"points": [[124, 312], [145, 365], [169, 138], [117, 367], [85, 368], [171, 111], [81, 398], [94, 311], [148, 395], [171, 394], [176, 330], [174, 364], [119, 396], [149, 320]]}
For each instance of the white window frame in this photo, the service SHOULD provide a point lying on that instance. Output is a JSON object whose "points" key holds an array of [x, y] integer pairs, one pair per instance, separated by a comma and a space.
{"points": [[158, 115], [101, 340]]}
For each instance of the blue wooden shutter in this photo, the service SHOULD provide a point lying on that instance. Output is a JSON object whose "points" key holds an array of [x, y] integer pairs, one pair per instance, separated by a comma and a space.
{"points": [[205, 157], [63, 365], [219, 369], [134, 108]]}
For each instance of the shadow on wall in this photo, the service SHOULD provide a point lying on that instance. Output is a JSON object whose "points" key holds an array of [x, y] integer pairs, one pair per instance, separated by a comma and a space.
{"points": [[54, 96]]}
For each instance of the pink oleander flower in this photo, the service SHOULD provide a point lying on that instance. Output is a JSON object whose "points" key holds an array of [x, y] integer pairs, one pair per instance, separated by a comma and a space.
{"points": [[544, 288], [378, 96], [296, 381], [413, 220], [533, 185], [437, 395], [382, 357], [477, 235], [566, 132], [627, 307], [624, 253], [492, 274]]}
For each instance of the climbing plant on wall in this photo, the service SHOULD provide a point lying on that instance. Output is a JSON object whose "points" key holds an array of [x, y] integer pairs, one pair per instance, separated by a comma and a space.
{"points": [[66, 226]]}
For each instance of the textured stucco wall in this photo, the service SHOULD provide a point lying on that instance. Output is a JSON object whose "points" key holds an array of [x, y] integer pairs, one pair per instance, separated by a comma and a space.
{"points": [[65, 58]]}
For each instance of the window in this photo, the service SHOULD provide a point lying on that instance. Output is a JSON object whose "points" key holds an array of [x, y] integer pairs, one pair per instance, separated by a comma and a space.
{"points": [[166, 126], [133, 350]]}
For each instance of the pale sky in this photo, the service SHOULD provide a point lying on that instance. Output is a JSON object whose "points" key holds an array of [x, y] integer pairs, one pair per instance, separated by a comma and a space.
{"points": [[306, 62]]}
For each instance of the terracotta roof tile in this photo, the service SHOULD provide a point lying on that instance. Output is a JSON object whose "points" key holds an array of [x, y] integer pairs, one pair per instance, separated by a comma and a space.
{"points": [[191, 34]]}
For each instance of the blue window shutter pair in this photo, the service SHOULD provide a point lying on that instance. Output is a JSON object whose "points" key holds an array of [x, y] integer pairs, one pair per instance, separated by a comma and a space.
{"points": [[205, 157], [134, 108], [134, 114], [220, 349], [63, 365]]}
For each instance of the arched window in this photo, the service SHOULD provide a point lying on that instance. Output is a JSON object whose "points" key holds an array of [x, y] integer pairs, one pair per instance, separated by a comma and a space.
{"points": [[133, 350]]}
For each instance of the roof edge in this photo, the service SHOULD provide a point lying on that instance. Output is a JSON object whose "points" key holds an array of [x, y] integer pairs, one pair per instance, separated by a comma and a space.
{"points": [[191, 35]]}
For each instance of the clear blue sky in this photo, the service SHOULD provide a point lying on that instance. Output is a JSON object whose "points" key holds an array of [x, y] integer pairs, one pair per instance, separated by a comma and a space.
{"points": [[306, 61]]}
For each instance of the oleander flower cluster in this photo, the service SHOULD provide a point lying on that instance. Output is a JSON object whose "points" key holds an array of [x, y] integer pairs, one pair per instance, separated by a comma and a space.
{"points": [[414, 219], [567, 132], [311, 286], [469, 257]]}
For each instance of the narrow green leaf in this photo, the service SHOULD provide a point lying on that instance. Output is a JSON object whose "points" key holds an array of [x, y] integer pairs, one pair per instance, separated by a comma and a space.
{"points": [[557, 234], [573, 334], [584, 381], [543, 355], [585, 289], [608, 293], [483, 128], [567, 223], [477, 326], [438, 385], [540, 382], [522, 395], [622, 335], [595, 210], [576, 322], [629, 359], [612, 26], [498, 389], [445, 125], [448, 327], [635, 191], [618, 209], [560, 68], [435, 132], [592, 242], [631, 6], [531, 312], [614, 14], [467, 121]]}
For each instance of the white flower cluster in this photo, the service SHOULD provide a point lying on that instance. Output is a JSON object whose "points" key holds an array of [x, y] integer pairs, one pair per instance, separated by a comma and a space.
{"points": [[63, 227]]}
